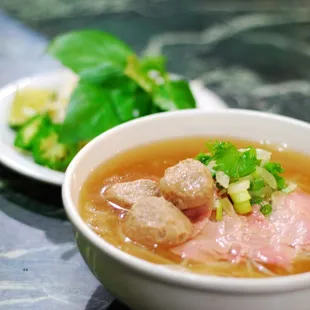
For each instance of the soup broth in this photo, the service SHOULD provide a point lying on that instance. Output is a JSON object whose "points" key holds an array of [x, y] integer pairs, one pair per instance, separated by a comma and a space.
{"points": [[150, 162]]}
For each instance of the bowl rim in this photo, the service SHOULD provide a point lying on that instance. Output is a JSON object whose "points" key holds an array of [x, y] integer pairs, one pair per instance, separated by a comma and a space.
{"points": [[162, 273]]}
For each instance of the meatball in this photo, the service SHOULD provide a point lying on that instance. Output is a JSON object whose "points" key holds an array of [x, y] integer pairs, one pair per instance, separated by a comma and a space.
{"points": [[188, 184], [154, 220], [127, 193]]}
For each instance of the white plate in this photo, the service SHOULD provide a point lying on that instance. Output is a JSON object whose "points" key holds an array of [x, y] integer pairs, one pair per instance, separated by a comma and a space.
{"points": [[55, 80]]}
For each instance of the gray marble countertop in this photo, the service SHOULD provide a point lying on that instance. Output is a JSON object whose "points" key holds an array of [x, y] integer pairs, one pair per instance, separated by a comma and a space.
{"points": [[253, 56]]}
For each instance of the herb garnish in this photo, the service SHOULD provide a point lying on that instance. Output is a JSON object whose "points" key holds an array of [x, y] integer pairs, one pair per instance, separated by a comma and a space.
{"points": [[231, 161], [115, 86], [243, 177], [266, 209], [275, 169]]}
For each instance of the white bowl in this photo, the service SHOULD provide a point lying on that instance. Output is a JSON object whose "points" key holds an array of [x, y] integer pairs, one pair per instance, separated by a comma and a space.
{"points": [[143, 285]]}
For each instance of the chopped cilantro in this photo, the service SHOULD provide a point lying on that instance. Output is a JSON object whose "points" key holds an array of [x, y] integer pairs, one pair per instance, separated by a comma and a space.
{"points": [[231, 161], [256, 201], [226, 157], [219, 186], [266, 209], [275, 169], [238, 164], [257, 185], [249, 160], [204, 158]]}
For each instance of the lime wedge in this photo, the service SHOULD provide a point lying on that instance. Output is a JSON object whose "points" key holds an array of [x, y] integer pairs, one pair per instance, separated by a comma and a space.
{"points": [[29, 102]]}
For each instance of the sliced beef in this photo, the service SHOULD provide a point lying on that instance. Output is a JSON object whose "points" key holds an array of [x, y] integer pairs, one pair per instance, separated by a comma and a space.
{"points": [[275, 240], [127, 193], [154, 220], [188, 184]]}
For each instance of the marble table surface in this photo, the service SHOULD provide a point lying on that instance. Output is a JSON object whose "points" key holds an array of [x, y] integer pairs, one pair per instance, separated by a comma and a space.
{"points": [[253, 56]]}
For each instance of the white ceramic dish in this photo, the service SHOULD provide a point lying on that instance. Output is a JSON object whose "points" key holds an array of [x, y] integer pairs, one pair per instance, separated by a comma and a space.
{"points": [[145, 286], [56, 81]]}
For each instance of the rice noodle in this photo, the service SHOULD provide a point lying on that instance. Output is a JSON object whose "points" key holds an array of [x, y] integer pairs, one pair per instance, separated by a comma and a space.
{"points": [[303, 256], [184, 262], [101, 221], [227, 269], [261, 268]]}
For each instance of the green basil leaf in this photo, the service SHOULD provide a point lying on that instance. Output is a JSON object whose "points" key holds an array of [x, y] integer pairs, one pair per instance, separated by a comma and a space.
{"points": [[90, 112], [94, 109], [174, 95], [102, 73], [86, 49], [136, 73], [131, 101], [157, 63]]}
